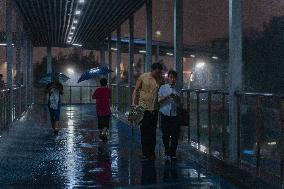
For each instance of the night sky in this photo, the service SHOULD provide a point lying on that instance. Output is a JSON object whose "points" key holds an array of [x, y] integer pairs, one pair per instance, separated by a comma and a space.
{"points": [[204, 20]]}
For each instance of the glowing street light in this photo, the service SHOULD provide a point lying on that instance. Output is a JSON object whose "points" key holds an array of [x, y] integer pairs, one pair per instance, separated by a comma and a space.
{"points": [[70, 70], [158, 33], [200, 65]]}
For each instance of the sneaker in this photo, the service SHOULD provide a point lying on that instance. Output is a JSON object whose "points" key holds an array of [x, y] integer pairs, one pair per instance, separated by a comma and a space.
{"points": [[173, 156]]}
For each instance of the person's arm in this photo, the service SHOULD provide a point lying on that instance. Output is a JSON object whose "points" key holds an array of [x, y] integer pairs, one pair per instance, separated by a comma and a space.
{"points": [[94, 95], [61, 89], [176, 98], [134, 94], [161, 97], [47, 88]]}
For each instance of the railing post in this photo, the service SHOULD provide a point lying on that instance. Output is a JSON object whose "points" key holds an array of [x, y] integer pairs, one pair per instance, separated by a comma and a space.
{"points": [[1, 109], [81, 95], [209, 122], [258, 134], [223, 126], [238, 129], [282, 139], [198, 118], [188, 109], [70, 92]]}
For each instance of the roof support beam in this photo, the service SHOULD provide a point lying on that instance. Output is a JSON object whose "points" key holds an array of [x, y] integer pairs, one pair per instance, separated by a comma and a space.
{"points": [[178, 41], [109, 57], [48, 60], [131, 59], [235, 73], [148, 35], [118, 60], [9, 54]]}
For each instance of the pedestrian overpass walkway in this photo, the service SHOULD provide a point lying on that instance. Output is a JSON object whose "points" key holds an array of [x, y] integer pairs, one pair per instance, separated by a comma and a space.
{"points": [[32, 156]]}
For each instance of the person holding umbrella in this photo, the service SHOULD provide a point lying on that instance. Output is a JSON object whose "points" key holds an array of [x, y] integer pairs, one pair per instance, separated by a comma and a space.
{"points": [[54, 90]]}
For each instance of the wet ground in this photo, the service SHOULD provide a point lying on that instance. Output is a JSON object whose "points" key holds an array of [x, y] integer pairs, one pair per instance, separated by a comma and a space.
{"points": [[31, 156]]}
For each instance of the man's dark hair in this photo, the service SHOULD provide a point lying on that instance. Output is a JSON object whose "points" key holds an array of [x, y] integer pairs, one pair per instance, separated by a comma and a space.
{"points": [[157, 65], [1, 75], [172, 72], [103, 82]]}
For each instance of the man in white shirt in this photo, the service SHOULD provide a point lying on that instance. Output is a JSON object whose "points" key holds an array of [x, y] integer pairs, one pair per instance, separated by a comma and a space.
{"points": [[169, 99]]}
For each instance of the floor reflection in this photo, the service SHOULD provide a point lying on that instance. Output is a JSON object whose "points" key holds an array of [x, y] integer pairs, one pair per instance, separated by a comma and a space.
{"points": [[32, 157]]}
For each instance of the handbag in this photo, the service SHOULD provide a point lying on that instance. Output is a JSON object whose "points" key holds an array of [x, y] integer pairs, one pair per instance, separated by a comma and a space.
{"points": [[182, 117], [135, 115]]}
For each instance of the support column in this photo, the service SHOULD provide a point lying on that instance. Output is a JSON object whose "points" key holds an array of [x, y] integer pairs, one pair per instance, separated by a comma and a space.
{"points": [[235, 70], [31, 74], [18, 72], [28, 72], [178, 41], [25, 75], [109, 58], [9, 55], [118, 60], [131, 59], [48, 60], [102, 56], [148, 35], [157, 52]]}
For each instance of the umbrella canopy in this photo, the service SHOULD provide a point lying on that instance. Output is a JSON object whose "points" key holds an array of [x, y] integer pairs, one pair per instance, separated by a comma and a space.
{"points": [[94, 72], [47, 78]]}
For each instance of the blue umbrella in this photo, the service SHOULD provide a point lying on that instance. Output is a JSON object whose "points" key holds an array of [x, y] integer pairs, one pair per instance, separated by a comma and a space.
{"points": [[47, 78], [94, 72]]}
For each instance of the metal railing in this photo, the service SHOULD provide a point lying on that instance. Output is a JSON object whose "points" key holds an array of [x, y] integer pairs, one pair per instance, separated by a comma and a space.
{"points": [[260, 119], [10, 112], [123, 102], [71, 95], [260, 129]]}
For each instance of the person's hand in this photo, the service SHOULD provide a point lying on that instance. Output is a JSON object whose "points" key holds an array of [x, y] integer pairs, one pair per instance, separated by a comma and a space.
{"points": [[173, 95]]}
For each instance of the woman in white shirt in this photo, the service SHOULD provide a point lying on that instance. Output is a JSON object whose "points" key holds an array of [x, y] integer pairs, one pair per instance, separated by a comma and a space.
{"points": [[169, 99]]}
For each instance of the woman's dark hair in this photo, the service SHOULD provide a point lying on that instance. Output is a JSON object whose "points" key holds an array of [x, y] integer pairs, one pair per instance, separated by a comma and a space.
{"points": [[103, 82], [157, 65], [174, 73]]}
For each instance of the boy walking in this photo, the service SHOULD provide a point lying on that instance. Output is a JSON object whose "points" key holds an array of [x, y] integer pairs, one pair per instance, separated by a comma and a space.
{"points": [[103, 96], [169, 99]]}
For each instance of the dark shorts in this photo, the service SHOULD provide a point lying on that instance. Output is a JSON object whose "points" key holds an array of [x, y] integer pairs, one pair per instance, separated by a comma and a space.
{"points": [[103, 121], [54, 114]]}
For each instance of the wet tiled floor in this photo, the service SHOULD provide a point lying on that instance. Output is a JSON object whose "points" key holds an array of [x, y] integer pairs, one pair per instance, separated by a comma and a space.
{"points": [[31, 156]]}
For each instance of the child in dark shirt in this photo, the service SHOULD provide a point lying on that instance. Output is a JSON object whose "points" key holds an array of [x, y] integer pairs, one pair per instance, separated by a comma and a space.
{"points": [[103, 96]]}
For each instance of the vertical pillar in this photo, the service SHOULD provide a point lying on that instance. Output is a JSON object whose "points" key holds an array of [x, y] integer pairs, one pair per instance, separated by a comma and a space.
{"points": [[118, 60], [157, 52], [131, 59], [48, 60], [25, 75], [235, 70], [148, 35], [18, 72], [109, 58], [28, 72], [9, 55], [31, 74], [102, 55], [178, 40]]}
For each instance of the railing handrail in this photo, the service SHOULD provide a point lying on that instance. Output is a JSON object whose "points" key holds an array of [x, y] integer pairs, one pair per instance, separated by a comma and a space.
{"points": [[261, 94], [238, 93], [213, 91], [81, 86]]}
